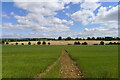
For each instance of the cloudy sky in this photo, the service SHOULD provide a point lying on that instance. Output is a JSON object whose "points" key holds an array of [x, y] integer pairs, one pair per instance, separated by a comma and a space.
{"points": [[53, 19]]}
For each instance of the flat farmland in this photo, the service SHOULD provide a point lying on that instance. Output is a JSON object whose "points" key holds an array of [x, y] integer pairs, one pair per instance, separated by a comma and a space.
{"points": [[96, 61], [26, 61]]}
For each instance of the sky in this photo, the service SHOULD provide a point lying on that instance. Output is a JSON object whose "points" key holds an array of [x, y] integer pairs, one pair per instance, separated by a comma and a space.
{"points": [[54, 19]]}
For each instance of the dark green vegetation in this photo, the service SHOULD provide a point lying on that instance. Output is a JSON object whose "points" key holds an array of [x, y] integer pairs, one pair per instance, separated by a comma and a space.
{"points": [[59, 38], [26, 61]]}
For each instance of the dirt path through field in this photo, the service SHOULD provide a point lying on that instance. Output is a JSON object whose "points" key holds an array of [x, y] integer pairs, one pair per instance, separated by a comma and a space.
{"points": [[69, 69]]}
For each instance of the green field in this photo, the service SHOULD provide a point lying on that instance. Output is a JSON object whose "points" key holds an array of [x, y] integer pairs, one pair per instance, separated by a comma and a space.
{"points": [[96, 61], [29, 60]]}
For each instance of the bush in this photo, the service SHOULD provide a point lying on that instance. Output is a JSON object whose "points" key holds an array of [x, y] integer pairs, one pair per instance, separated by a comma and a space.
{"points": [[110, 43], [3, 42], [49, 43], [85, 43], [77, 43], [44, 43], [7, 43], [29, 43], [16, 43], [101, 43], [22, 43], [38, 43]]}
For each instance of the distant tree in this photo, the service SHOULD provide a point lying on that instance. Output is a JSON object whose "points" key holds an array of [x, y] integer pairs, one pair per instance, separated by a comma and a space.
{"points": [[75, 43], [44, 43], [77, 38], [108, 38], [7, 43], [49, 43], [3, 42], [78, 43], [85, 43], [83, 39], [29, 43], [22, 43], [110, 43], [16, 43], [59, 38], [101, 43], [38, 43], [68, 38], [93, 38], [88, 38]]}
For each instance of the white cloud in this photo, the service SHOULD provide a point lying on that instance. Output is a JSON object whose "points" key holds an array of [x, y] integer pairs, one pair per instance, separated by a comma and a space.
{"points": [[82, 16], [107, 16], [41, 17], [67, 7], [86, 14], [42, 21], [90, 5]]}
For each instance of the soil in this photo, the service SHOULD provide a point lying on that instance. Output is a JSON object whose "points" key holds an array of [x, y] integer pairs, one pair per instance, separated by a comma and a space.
{"points": [[69, 69]]}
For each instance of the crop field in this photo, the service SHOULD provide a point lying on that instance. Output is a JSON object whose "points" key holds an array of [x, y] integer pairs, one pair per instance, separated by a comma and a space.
{"points": [[96, 61], [27, 61]]}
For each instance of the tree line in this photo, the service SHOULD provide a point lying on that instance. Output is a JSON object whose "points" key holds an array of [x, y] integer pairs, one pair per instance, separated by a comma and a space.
{"points": [[60, 38], [90, 38]]}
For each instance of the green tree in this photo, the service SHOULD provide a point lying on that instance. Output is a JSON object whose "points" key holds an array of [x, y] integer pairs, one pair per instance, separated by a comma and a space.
{"points": [[101, 43], [49, 43], [68, 38], [29, 43], [44, 43], [7, 43], [38, 43], [59, 38], [22, 43], [16, 43]]}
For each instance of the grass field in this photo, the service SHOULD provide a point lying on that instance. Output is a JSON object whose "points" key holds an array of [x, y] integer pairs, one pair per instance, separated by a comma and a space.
{"points": [[96, 61], [27, 61]]}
